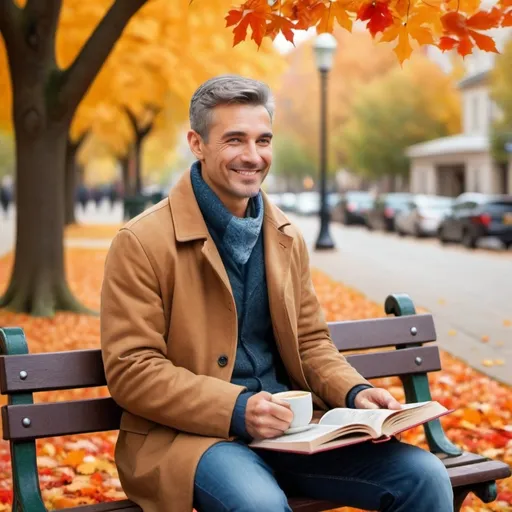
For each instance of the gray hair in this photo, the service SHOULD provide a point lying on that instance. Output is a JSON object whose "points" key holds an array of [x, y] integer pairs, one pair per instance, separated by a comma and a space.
{"points": [[226, 90]]}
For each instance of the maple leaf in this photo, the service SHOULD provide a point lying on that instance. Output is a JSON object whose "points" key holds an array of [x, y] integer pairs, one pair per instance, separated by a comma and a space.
{"points": [[233, 17], [337, 12], [483, 42], [378, 15], [280, 24], [485, 20], [308, 13], [507, 19], [253, 13]]}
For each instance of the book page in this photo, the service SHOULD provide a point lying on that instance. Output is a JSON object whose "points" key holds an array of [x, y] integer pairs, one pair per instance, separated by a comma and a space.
{"points": [[374, 418], [301, 438]]}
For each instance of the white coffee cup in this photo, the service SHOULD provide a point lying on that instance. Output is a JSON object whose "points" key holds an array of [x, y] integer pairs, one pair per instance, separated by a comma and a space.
{"points": [[301, 404]]}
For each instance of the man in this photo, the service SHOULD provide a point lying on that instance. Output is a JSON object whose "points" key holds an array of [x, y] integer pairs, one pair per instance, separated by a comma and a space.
{"points": [[207, 309]]}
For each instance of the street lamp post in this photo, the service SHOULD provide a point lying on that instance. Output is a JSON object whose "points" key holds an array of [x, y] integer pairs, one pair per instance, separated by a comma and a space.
{"points": [[325, 46]]}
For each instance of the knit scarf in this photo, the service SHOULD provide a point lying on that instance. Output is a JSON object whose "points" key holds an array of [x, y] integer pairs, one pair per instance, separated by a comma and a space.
{"points": [[237, 235]]}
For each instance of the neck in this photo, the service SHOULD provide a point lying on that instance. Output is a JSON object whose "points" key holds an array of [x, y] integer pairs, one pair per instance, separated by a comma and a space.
{"points": [[236, 205]]}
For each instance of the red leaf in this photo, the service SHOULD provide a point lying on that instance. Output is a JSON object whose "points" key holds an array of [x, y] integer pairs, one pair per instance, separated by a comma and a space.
{"points": [[454, 23], [240, 31], [447, 43], [378, 14], [507, 19], [233, 17], [280, 24], [258, 23], [483, 42], [485, 20], [465, 46]]}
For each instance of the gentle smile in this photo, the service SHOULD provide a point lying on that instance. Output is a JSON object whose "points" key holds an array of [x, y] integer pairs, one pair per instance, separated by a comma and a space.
{"points": [[245, 173]]}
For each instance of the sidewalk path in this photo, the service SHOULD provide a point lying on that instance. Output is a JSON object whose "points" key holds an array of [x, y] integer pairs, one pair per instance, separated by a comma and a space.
{"points": [[468, 292]]}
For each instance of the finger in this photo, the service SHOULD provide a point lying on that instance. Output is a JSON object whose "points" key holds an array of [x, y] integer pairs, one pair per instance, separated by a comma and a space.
{"points": [[280, 412], [269, 433], [367, 404], [278, 401], [387, 400], [274, 424]]}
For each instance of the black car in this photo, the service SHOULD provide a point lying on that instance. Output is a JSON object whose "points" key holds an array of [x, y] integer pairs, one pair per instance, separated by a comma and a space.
{"points": [[481, 216], [352, 207], [386, 206]]}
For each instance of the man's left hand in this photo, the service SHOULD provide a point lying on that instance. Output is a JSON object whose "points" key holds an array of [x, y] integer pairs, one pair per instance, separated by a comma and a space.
{"points": [[376, 398]]}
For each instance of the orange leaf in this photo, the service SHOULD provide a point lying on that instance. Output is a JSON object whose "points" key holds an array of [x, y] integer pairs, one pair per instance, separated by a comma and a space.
{"points": [[465, 46], [74, 458], [447, 43], [485, 20], [454, 23], [378, 15], [240, 31], [280, 24], [483, 42], [233, 17], [507, 19], [472, 416], [485, 338]]}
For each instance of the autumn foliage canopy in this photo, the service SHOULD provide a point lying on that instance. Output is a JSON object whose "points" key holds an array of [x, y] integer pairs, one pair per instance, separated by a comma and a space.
{"points": [[447, 24]]}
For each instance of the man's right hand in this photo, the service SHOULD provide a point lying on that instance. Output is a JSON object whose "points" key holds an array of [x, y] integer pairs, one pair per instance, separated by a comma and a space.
{"points": [[267, 417]]}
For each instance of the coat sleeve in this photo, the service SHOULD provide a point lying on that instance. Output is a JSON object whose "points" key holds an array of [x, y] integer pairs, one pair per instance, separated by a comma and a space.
{"points": [[328, 373], [140, 377]]}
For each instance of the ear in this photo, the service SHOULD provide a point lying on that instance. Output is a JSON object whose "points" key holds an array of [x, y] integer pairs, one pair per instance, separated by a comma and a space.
{"points": [[196, 144]]}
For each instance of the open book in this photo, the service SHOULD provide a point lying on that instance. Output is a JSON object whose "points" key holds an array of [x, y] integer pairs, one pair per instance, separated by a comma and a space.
{"points": [[341, 427]]}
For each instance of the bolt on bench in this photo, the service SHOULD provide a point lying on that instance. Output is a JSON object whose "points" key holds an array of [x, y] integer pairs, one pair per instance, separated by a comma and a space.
{"points": [[22, 374]]}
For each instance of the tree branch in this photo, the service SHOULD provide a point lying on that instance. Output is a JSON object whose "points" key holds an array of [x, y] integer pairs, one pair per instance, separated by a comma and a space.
{"points": [[133, 121], [80, 75]]}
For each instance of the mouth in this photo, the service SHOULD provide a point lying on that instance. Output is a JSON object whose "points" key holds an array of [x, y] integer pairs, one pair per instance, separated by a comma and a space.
{"points": [[244, 172]]}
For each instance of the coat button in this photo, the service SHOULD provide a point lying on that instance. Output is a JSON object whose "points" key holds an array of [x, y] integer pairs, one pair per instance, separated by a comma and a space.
{"points": [[222, 361]]}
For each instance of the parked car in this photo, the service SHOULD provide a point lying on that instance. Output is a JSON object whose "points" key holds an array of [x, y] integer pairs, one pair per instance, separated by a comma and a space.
{"points": [[478, 216], [382, 214], [423, 215], [352, 207], [276, 199], [308, 203], [288, 202]]}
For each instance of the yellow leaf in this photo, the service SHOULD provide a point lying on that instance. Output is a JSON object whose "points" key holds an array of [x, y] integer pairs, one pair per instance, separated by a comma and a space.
{"points": [[452, 332], [87, 468], [484, 338], [488, 362]]}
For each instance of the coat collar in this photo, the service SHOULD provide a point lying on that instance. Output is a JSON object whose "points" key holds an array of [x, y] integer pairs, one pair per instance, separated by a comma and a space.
{"points": [[188, 219]]}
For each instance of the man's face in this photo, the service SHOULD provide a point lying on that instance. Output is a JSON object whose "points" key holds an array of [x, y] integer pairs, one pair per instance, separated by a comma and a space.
{"points": [[237, 157]]}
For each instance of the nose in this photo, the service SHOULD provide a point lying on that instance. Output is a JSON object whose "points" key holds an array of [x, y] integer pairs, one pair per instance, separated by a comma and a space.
{"points": [[251, 155]]}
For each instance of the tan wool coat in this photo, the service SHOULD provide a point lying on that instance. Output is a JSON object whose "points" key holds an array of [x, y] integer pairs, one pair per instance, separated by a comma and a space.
{"points": [[168, 315]]}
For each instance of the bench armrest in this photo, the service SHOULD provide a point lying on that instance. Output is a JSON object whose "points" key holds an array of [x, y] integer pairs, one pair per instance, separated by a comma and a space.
{"points": [[25, 478], [416, 386]]}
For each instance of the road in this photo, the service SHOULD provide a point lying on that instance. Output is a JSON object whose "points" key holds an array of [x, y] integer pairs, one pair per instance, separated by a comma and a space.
{"points": [[468, 292]]}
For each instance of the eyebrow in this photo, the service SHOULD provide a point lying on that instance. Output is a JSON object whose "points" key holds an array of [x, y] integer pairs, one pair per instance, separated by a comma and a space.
{"points": [[227, 135]]}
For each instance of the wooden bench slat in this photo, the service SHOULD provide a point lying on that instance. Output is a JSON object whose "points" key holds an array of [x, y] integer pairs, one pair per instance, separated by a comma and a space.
{"points": [[112, 506], [52, 371], [308, 505], [397, 362], [60, 418], [464, 459], [479, 472], [382, 332]]}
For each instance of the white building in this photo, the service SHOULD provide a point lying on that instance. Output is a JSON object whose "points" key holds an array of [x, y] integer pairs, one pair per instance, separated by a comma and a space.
{"points": [[463, 162]]}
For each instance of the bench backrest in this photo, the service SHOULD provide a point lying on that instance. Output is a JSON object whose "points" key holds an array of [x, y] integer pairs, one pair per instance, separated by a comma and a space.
{"points": [[24, 374]]}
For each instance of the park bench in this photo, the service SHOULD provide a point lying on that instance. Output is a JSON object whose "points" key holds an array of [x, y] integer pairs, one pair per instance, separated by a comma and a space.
{"points": [[404, 335]]}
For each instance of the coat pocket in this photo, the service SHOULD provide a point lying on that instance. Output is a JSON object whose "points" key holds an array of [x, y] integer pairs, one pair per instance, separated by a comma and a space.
{"points": [[135, 424]]}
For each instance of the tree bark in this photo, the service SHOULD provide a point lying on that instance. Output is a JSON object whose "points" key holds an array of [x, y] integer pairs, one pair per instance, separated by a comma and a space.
{"points": [[44, 101], [72, 178]]}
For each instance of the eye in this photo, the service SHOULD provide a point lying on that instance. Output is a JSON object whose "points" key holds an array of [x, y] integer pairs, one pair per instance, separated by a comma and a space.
{"points": [[264, 142], [234, 140]]}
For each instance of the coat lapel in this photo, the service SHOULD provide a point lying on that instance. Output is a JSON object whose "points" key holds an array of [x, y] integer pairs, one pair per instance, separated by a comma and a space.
{"points": [[189, 225]]}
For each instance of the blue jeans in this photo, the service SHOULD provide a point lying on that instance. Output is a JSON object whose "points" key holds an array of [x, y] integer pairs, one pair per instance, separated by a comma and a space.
{"points": [[390, 476]]}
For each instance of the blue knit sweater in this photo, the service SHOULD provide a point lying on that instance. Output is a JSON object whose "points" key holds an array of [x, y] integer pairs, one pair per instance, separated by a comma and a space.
{"points": [[258, 365]]}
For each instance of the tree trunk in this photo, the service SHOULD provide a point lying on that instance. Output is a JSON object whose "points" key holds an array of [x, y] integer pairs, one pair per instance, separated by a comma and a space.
{"points": [[44, 101], [137, 150], [38, 284], [70, 183]]}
